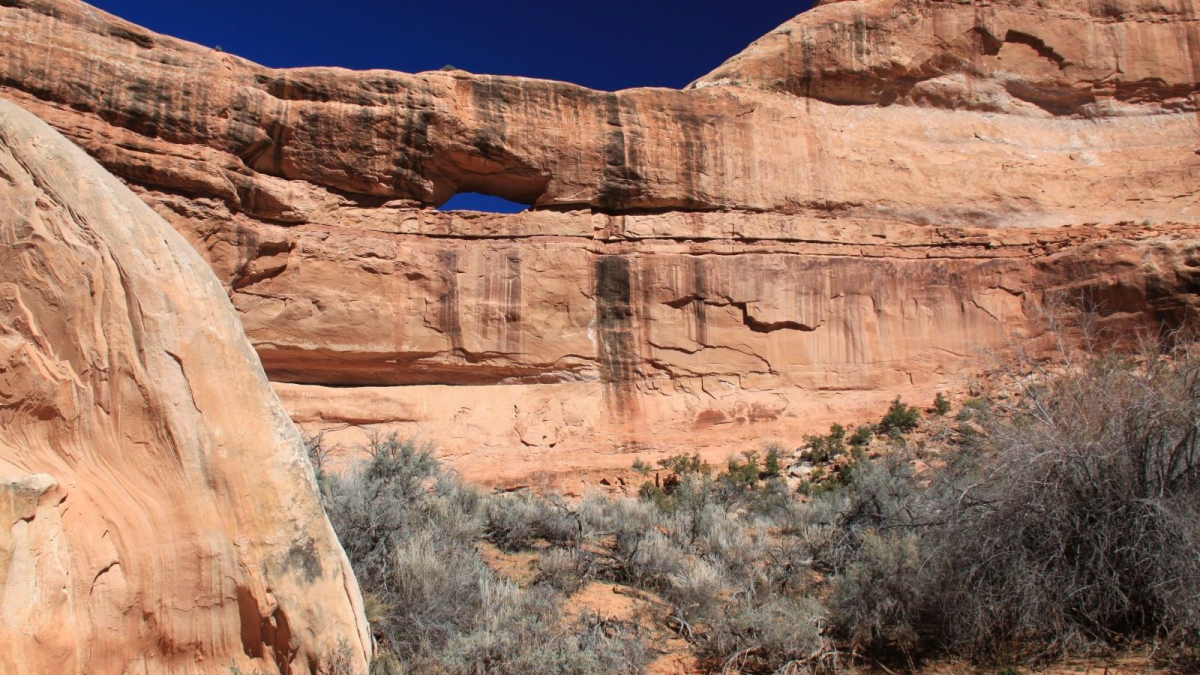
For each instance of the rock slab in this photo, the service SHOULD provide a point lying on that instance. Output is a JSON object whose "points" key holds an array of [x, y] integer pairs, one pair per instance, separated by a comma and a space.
{"points": [[157, 511]]}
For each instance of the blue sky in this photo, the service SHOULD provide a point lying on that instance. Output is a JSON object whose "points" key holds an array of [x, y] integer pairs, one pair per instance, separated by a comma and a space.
{"points": [[604, 45]]}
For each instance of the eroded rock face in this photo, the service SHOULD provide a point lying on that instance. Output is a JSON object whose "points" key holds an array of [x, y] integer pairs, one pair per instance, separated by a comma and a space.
{"points": [[157, 511], [1039, 59], [862, 204]]}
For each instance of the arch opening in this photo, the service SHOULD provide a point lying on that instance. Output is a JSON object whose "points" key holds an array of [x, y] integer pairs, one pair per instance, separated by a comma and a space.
{"points": [[481, 203]]}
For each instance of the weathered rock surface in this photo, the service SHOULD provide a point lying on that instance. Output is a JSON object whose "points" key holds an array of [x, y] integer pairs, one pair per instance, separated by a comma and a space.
{"points": [[157, 511], [858, 206], [1129, 57]]}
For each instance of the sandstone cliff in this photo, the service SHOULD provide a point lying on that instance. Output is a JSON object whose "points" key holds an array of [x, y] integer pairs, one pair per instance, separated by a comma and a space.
{"points": [[157, 510], [858, 206]]}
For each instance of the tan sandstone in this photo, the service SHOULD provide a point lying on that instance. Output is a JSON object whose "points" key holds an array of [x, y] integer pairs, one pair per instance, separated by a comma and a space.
{"points": [[863, 204], [157, 510]]}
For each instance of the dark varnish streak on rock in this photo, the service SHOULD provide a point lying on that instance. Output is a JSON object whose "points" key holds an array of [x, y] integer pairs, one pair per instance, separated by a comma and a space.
{"points": [[448, 318], [620, 183], [513, 302], [700, 290], [614, 321]]}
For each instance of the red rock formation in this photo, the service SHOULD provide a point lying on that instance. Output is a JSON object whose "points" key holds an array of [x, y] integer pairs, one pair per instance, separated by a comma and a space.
{"points": [[1038, 59], [858, 206], [157, 511]]}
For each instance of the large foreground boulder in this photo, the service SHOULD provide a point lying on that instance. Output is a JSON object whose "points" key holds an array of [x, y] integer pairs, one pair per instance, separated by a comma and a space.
{"points": [[157, 511]]}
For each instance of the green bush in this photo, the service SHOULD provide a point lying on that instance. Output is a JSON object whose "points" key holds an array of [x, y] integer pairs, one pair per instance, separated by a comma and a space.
{"points": [[862, 436], [825, 449], [971, 409], [745, 472], [975, 404], [773, 464], [941, 404], [684, 465], [900, 419]]}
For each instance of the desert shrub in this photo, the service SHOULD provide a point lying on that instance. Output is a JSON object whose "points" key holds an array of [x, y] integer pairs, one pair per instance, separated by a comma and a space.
{"points": [[400, 491], [616, 647], [1080, 527], [1060, 520], [964, 436], [386, 663], [770, 499], [686, 464], [824, 449], [434, 589], [717, 534], [1071, 523], [695, 588], [514, 522], [941, 404], [340, 660], [561, 569], [522, 632], [862, 436], [899, 419], [975, 404], [653, 492], [648, 559], [511, 521], [778, 635], [752, 482], [876, 603], [681, 469], [833, 477], [877, 497], [318, 452], [410, 530], [971, 409], [745, 471], [602, 516], [692, 549], [773, 462]]}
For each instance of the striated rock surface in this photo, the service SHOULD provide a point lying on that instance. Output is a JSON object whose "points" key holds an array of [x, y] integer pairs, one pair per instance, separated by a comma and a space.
{"points": [[860, 205], [157, 511], [1039, 59]]}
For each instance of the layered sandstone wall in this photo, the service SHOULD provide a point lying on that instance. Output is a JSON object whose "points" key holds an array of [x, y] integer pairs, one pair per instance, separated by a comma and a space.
{"points": [[1022, 57], [157, 511], [861, 205]]}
